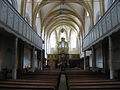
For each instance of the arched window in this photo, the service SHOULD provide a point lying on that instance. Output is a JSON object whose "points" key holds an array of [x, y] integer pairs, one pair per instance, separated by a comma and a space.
{"points": [[87, 23], [63, 34], [73, 39], [53, 40], [87, 14]]}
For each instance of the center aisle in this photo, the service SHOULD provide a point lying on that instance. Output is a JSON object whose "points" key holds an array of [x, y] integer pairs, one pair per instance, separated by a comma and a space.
{"points": [[62, 85]]}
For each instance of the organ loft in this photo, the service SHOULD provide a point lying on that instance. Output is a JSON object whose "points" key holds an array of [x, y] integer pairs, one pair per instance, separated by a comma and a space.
{"points": [[63, 52]]}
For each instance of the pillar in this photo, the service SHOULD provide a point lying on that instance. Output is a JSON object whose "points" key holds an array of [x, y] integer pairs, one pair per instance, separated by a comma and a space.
{"points": [[14, 70], [39, 64], [32, 61], [104, 57], [110, 58], [84, 60], [41, 60], [93, 57]]}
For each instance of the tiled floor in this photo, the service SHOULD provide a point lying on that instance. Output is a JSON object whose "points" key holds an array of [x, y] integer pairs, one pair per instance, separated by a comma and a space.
{"points": [[63, 85]]}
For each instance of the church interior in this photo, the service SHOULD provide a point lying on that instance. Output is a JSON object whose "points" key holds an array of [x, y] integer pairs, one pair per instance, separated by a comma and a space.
{"points": [[59, 44]]}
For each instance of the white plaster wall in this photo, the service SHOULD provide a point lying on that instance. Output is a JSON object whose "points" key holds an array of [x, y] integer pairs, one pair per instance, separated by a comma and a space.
{"points": [[87, 24], [78, 45], [35, 61], [43, 37], [38, 26], [27, 57], [96, 10], [90, 60], [99, 57], [14, 3], [73, 40], [19, 5], [48, 47], [29, 10], [108, 4], [81, 46]]}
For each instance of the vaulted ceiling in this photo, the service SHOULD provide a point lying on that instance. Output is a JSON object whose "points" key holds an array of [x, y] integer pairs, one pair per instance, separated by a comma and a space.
{"points": [[59, 13]]}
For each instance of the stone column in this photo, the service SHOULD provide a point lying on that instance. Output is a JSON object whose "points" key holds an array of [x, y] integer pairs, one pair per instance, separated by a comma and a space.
{"points": [[110, 58], [33, 62], [93, 57], [103, 55], [14, 70], [84, 60], [41, 60], [39, 65]]}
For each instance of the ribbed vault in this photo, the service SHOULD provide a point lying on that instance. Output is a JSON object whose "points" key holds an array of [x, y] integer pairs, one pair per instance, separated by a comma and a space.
{"points": [[56, 13]]}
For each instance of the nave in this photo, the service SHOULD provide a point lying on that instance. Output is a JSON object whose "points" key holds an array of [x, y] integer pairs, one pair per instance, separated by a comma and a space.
{"points": [[59, 44], [70, 79]]}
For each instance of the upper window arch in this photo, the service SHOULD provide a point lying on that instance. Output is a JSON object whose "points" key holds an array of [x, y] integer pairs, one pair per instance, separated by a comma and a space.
{"points": [[73, 39]]}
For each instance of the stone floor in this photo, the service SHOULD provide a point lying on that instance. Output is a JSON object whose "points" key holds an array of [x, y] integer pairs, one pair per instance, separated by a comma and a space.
{"points": [[62, 85]]}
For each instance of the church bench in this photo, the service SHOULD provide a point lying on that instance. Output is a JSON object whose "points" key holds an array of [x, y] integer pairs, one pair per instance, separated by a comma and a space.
{"points": [[85, 80], [28, 83], [107, 87], [90, 81], [25, 85], [94, 84], [43, 78], [81, 84], [35, 76], [36, 81], [15, 87]]}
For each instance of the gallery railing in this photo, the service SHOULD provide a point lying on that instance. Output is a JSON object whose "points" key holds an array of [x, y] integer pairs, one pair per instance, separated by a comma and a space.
{"points": [[109, 23], [16, 24]]}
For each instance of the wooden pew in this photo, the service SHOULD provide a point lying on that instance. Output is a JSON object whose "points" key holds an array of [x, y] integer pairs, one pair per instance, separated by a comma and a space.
{"points": [[86, 80], [24, 87], [107, 87], [34, 81]]}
